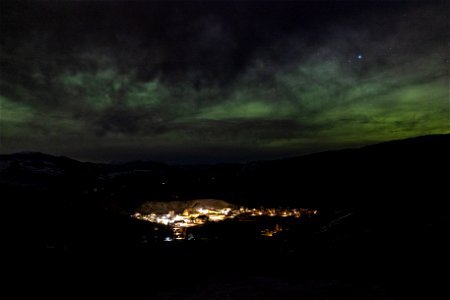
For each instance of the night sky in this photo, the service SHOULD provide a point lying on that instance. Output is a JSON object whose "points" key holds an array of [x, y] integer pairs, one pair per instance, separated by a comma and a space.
{"points": [[219, 81]]}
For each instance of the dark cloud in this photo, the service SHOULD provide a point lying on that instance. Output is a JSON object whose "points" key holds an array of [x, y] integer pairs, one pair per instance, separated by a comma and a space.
{"points": [[255, 77]]}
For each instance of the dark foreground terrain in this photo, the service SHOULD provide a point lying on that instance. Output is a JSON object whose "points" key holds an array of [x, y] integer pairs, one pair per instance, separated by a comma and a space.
{"points": [[383, 225]]}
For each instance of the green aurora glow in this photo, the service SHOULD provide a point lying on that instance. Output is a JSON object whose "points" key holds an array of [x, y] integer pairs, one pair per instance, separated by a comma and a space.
{"points": [[90, 101]]}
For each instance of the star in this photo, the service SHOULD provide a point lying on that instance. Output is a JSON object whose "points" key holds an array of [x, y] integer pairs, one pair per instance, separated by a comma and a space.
{"points": [[359, 56]]}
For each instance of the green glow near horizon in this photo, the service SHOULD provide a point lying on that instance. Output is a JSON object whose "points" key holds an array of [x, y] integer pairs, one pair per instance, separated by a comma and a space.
{"points": [[321, 98]]}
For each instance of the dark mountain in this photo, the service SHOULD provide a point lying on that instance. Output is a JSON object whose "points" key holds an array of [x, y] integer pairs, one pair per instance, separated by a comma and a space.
{"points": [[34, 168], [391, 173]]}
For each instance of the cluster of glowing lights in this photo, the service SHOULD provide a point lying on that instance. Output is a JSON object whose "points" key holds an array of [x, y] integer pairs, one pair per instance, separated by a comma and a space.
{"points": [[179, 223], [187, 218], [270, 233], [201, 215]]}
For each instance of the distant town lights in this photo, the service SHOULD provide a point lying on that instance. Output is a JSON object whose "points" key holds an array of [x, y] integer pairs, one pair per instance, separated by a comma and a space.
{"points": [[188, 218]]}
